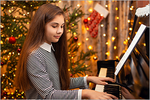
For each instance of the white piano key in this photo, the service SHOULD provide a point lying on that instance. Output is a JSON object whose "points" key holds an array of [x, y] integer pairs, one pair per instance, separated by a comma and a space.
{"points": [[102, 73]]}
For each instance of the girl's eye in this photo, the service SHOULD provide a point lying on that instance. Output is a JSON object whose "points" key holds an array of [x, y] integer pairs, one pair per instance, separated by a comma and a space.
{"points": [[54, 26], [62, 26]]}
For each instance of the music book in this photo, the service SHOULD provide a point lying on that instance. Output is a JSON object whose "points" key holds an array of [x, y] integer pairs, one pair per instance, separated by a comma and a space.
{"points": [[131, 47]]}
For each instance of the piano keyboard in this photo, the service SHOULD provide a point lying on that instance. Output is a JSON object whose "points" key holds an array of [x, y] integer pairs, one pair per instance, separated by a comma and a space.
{"points": [[113, 89]]}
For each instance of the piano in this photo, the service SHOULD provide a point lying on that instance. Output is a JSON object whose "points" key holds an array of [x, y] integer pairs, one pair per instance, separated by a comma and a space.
{"points": [[134, 74]]}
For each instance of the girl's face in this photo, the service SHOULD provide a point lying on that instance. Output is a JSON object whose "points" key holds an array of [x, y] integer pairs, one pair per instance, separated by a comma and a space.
{"points": [[54, 29]]}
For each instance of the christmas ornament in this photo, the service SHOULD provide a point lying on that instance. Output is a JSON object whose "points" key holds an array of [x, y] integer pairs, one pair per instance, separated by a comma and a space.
{"points": [[94, 19], [95, 58], [71, 75], [85, 21], [75, 39], [18, 50], [12, 40], [2, 63]]}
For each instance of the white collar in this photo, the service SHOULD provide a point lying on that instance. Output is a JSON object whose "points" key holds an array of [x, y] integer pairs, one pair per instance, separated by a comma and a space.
{"points": [[47, 47]]}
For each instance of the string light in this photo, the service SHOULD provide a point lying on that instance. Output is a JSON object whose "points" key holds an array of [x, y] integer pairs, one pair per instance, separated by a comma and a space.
{"points": [[88, 18], [117, 57], [90, 1], [113, 38], [128, 21], [116, 28], [68, 52], [115, 47], [87, 39], [102, 25], [106, 5], [90, 10], [87, 28], [116, 8], [78, 5], [1, 42], [90, 47], [130, 29], [59, 1], [144, 44], [140, 23], [86, 75], [104, 34], [69, 70], [79, 44], [106, 43], [128, 38], [117, 17], [107, 53]]}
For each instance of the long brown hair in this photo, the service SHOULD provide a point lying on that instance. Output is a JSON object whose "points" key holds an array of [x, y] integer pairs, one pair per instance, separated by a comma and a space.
{"points": [[35, 37]]}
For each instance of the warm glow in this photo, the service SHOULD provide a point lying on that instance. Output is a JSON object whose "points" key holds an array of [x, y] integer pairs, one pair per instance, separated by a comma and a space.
{"points": [[87, 28], [117, 57], [75, 33], [125, 42], [116, 28], [86, 75], [117, 17], [144, 44], [106, 43], [116, 8], [79, 43], [131, 8], [59, 1], [1, 42], [87, 39], [128, 38], [90, 1], [128, 21], [102, 25], [101, 14], [107, 53], [130, 29], [76, 14], [90, 10], [88, 18], [78, 5], [71, 57], [140, 23], [68, 69], [104, 34], [113, 38], [90, 47], [106, 5], [115, 47]]}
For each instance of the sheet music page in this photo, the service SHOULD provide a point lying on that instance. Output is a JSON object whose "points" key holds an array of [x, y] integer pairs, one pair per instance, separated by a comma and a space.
{"points": [[131, 47]]}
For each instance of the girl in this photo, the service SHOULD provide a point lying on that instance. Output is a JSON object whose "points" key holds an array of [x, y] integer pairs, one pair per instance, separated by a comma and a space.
{"points": [[42, 70]]}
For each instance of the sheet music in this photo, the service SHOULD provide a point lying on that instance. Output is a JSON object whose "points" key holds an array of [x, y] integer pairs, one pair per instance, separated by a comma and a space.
{"points": [[131, 47]]}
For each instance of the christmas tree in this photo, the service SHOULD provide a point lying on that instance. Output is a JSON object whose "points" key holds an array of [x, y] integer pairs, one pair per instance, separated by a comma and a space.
{"points": [[15, 19]]}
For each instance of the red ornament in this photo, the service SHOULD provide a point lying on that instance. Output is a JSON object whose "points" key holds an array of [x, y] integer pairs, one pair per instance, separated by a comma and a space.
{"points": [[75, 39], [12, 40], [85, 21], [18, 50], [2, 63], [71, 75]]}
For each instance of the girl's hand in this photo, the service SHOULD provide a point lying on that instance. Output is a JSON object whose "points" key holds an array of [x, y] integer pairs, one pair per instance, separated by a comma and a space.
{"points": [[99, 80], [91, 94]]}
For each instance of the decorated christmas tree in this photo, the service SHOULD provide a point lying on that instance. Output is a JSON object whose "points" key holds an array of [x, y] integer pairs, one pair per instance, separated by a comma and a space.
{"points": [[15, 20]]}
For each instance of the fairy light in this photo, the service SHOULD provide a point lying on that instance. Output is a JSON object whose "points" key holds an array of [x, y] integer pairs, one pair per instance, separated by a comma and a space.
{"points": [[90, 10], [1, 42], [14, 75], [115, 47], [31, 5], [3, 75], [116, 8], [79, 43], [102, 25], [90, 47], [104, 34], [71, 57], [130, 29], [24, 14], [86, 75], [78, 5], [106, 43], [117, 17], [9, 11], [87, 28], [87, 39], [76, 14], [144, 44], [69, 70], [128, 38], [113, 38], [117, 57], [4, 89], [129, 21], [101, 14], [106, 5], [86, 65], [9, 53], [59, 1], [88, 18], [24, 6], [90, 1], [140, 23], [107, 53], [28, 13], [116, 28]]}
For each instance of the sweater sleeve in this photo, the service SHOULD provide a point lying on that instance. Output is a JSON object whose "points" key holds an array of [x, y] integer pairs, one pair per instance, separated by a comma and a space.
{"points": [[39, 78]]}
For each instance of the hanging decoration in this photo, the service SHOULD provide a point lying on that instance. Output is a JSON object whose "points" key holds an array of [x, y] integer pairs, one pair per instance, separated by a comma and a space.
{"points": [[92, 22], [12, 40]]}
